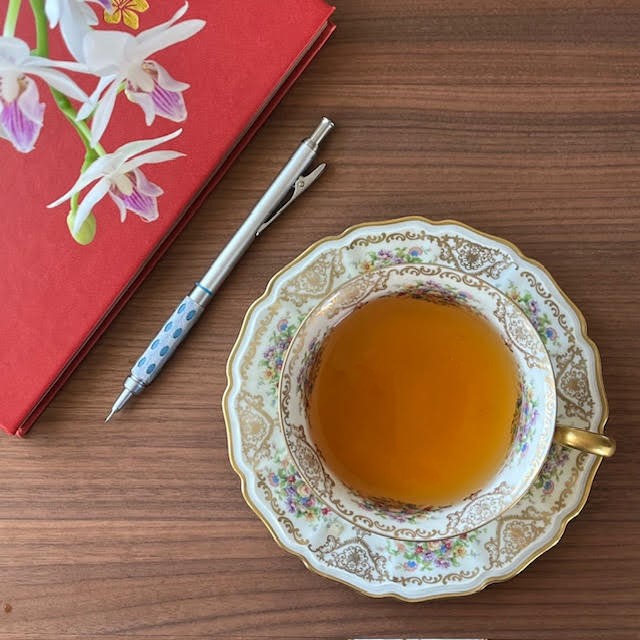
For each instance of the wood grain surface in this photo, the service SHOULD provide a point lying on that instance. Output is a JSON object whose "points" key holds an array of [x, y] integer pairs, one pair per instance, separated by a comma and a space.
{"points": [[519, 118]]}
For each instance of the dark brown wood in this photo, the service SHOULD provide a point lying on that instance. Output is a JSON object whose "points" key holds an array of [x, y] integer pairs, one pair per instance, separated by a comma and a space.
{"points": [[519, 118]]}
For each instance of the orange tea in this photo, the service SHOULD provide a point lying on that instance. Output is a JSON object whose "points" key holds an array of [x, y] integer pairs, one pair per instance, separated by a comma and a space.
{"points": [[414, 400]]}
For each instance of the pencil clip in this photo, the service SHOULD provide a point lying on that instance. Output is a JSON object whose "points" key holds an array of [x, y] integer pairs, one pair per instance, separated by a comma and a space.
{"points": [[299, 187]]}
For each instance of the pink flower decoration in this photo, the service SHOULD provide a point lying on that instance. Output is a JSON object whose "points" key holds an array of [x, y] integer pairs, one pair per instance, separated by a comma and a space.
{"points": [[157, 93], [21, 118]]}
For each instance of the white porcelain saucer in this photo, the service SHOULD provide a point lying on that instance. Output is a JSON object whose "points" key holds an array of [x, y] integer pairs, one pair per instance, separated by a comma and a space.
{"points": [[371, 563]]}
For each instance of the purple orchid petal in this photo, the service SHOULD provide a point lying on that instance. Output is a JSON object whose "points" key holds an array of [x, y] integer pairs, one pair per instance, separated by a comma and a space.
{"points": [[165, 99], [145, 186], [169, 104], [143, 205], [21, 119]]}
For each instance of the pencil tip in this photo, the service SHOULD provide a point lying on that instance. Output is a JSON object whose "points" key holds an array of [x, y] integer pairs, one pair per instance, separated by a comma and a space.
{"points": [[123, 398]]}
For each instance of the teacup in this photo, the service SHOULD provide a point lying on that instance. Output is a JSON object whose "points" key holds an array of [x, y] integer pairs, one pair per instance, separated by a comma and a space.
{"points": [[531, 431]]}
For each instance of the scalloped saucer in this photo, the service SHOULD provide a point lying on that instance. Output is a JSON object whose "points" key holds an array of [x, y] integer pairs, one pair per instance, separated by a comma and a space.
{"points": [[329, 545]]}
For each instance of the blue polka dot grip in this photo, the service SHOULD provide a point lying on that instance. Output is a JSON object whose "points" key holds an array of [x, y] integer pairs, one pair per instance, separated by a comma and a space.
{"points": [[166, 341]]}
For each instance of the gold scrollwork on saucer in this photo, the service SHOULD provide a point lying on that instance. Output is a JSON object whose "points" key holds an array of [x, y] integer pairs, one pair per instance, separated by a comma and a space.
{"points": [[316, 280], [523, 341], [354, 556], [256, 423], [515, 533], [479, 508], [472, 257], [572, 379]]}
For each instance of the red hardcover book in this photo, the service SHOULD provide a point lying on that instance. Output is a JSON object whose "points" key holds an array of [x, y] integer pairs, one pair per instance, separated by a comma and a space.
{"points": [[58, 296]]}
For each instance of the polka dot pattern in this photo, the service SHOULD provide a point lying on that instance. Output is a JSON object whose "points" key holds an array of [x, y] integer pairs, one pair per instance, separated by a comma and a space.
{"points": [[168, 338]]}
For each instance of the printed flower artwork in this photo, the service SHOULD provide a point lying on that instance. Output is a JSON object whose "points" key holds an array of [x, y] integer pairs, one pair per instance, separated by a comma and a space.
{"points": [[125, 10], [273, 356], [122, 65], [21, 112], [438, 554], [538, 318], [120, 59], [75, 18], [551, 471], [528, 416], [118, 174], [21, 117], [389, 257], [293, 492], [157, 93]]}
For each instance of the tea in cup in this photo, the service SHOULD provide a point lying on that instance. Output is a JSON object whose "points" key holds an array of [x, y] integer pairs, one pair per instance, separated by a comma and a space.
{"points": [[418, 402]]}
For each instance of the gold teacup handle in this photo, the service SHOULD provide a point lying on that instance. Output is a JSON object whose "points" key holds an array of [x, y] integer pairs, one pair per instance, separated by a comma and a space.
{"points": [[587, 441]]}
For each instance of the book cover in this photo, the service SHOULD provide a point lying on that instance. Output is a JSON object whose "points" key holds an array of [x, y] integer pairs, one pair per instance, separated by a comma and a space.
{"points": [[59, 295]]}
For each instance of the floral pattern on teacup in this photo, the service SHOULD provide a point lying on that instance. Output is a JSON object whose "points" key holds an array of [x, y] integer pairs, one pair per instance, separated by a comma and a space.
{"points": [[528, 414], [273, 356], [531, 307], [294, 494], [389, 257], [551, 471], [440, 554]]}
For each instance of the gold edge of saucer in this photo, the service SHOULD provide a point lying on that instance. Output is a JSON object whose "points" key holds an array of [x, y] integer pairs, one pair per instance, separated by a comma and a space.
{"points": [[583, 332]]}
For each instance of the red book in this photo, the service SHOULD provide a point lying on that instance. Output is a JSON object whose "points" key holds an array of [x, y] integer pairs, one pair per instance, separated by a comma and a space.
{"points": [[58, 296]]}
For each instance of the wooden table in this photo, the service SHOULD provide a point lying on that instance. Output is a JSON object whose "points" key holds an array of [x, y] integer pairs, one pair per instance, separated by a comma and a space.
{"points": [[519, 118]]}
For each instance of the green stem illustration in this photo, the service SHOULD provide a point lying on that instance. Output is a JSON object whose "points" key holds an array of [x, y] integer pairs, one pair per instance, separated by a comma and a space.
{"points": [[11, 19], [88, 229]]}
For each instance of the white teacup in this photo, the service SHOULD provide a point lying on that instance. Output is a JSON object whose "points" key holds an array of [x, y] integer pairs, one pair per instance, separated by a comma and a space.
{"points": [[532, 431]]}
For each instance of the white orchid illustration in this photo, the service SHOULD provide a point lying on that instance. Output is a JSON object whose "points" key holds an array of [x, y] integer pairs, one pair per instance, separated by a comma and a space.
{"points": [[75, 18], [21, 112], [121, 59], [118, 174], [119, 62]]}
